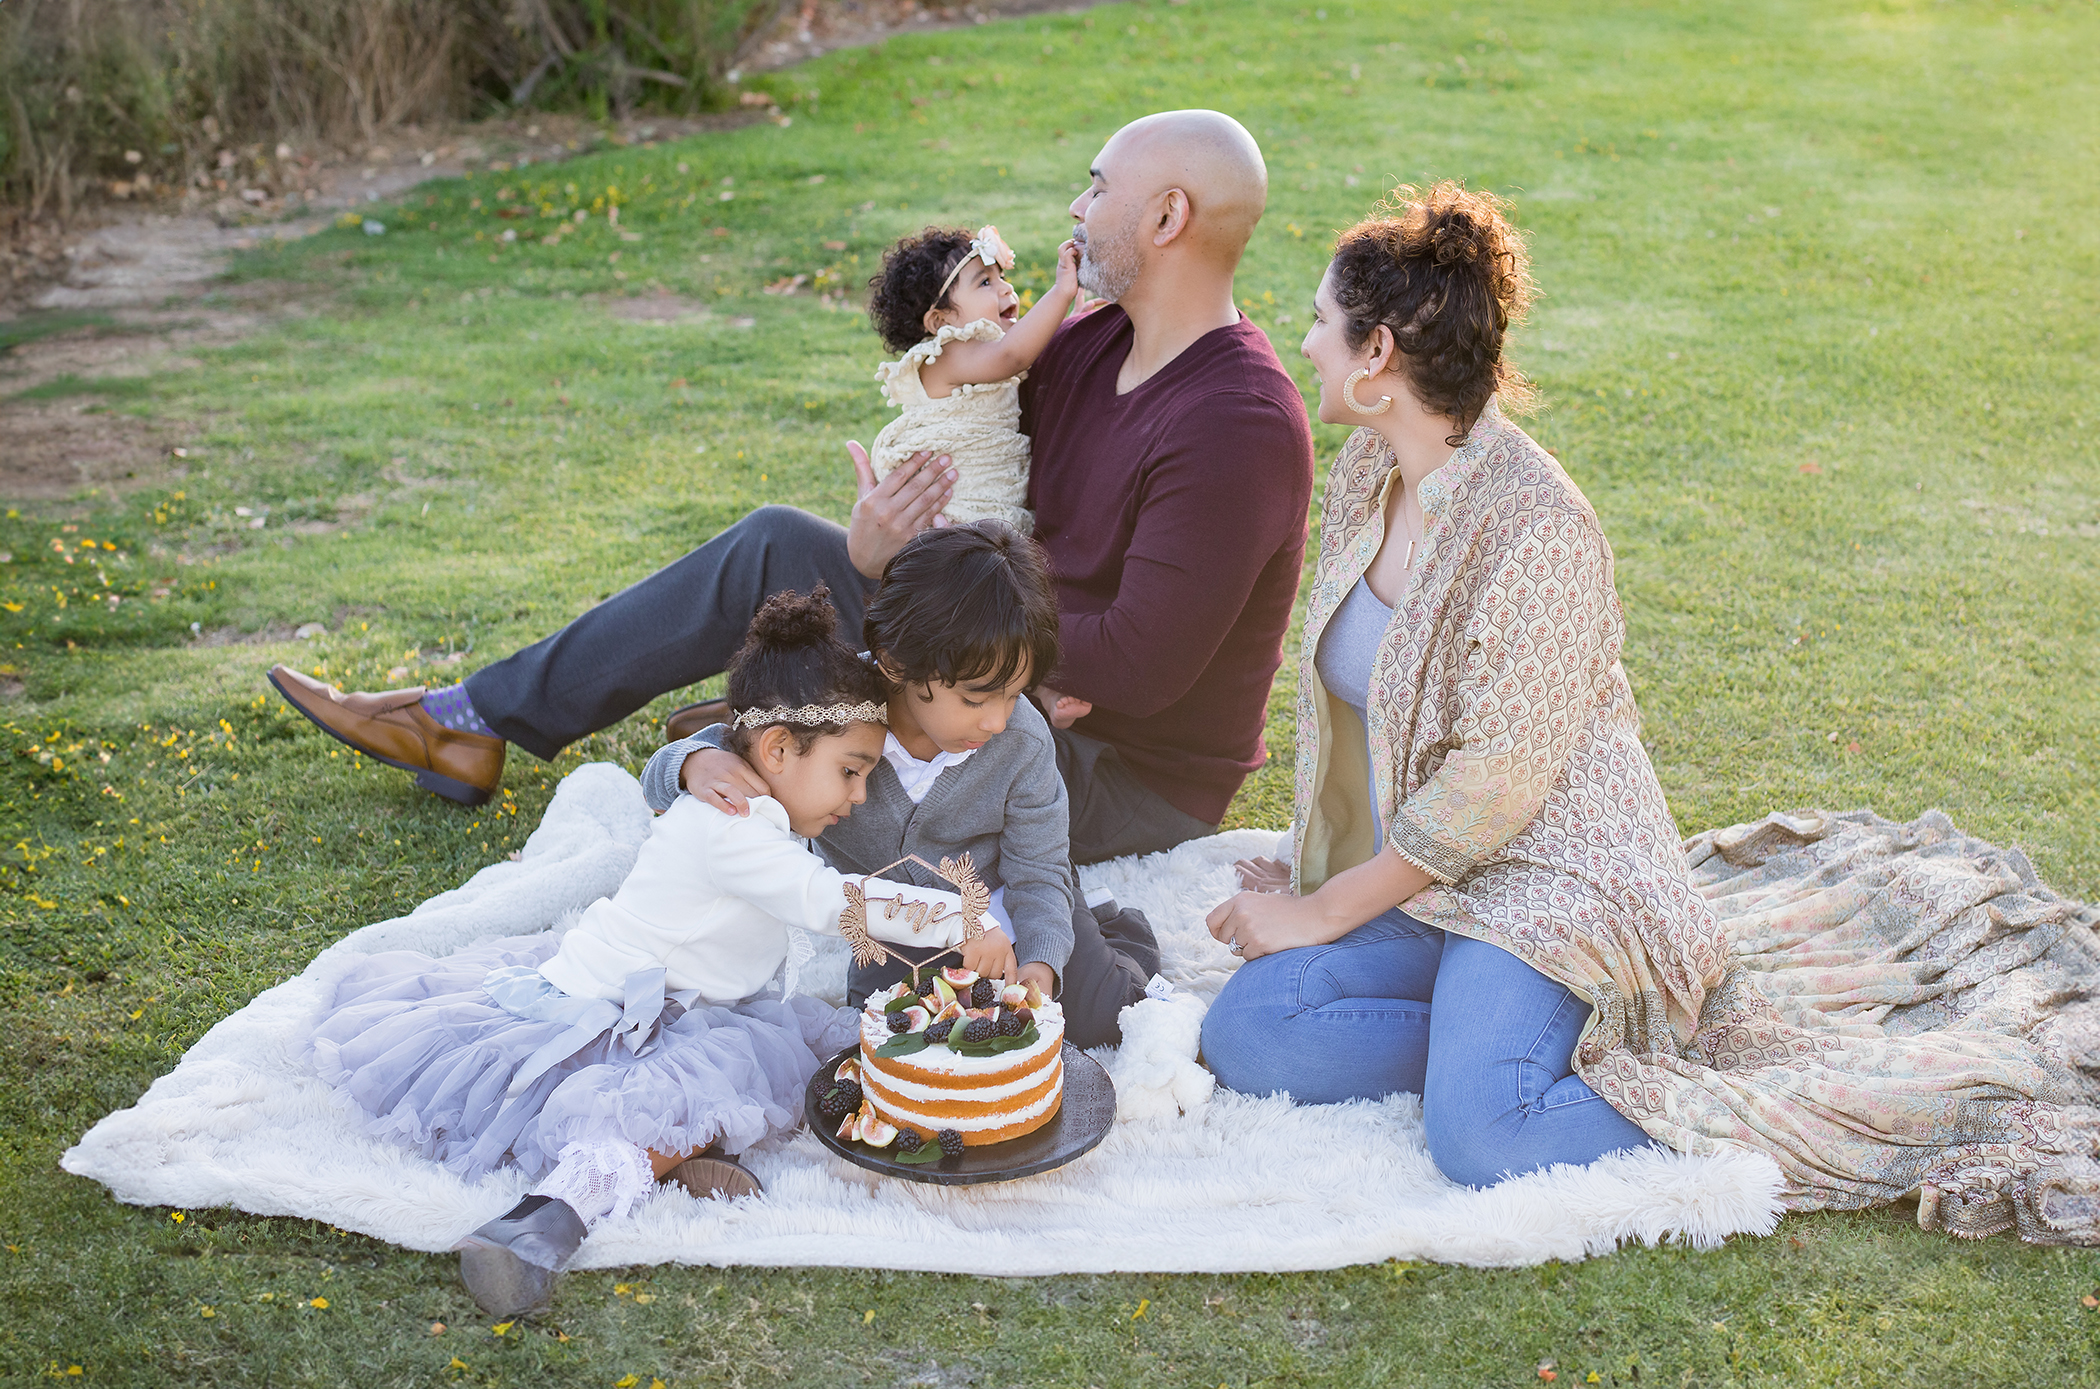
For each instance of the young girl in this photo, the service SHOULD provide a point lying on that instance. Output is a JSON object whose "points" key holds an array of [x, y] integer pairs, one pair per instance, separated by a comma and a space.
{"points": [[943, 301], [644, 1044]]}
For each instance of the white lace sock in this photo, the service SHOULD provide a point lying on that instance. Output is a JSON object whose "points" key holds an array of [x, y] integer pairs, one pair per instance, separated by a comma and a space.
{"points": [[600, 1180]]}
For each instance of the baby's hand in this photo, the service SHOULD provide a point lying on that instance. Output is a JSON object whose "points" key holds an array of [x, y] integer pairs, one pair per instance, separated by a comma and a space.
{"points": [[1067, 270], [991, 955]]}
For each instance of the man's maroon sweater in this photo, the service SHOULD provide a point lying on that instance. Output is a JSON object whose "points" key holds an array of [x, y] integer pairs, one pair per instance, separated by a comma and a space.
{"points": [[1175, 521]]}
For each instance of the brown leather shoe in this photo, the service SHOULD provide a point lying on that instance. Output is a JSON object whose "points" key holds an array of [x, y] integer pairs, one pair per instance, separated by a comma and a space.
{"points": [[684, 723], [391, 727], [712, 1174]]}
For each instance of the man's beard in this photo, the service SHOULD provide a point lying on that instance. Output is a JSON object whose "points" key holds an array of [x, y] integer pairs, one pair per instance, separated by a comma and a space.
{"points": [[1108, 267]]}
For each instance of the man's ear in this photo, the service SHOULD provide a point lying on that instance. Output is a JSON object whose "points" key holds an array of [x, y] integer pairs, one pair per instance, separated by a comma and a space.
{"points": [[1172, 219]]}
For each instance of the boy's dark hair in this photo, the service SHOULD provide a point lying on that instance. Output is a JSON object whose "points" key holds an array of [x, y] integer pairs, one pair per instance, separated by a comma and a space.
{"points": [[792, 656], [965, 605], [910, 285]]}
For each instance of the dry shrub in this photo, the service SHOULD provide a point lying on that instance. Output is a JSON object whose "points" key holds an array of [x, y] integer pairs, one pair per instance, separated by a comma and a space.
{"points": [[153, 89]]}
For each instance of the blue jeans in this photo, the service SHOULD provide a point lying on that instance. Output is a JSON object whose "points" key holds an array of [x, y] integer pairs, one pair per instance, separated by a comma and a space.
{"points": [[1491, 1058]]}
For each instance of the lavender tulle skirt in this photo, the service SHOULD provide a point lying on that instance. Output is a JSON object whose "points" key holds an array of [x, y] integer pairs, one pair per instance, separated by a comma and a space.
{"points": [[428, 1052]]}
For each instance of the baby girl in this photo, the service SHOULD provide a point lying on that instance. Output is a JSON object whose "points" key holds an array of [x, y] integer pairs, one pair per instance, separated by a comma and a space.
{"points": [[943, 301]]}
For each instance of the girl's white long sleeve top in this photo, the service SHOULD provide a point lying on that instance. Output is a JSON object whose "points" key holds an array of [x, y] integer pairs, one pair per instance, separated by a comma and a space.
{"points": [[711, 899]]}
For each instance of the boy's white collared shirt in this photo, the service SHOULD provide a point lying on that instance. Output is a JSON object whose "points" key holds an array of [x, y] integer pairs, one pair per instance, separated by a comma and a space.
{"points": [[914, 776]]}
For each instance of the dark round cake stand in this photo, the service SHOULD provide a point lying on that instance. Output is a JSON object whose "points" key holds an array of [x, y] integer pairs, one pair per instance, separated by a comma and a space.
{"points": [[1080, 1123]]}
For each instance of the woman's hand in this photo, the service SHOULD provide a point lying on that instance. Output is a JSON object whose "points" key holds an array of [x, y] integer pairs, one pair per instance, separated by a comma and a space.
{"points": [[991, 955], [717, 777], [1262, 923], [1263, 875]]}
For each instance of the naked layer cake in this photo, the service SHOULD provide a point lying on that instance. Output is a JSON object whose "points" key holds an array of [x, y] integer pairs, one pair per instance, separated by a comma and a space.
{"points": [[957, 1062]]}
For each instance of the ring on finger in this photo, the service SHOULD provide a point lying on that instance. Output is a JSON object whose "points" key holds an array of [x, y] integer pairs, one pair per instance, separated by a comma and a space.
{"points": [[1235, 947]]}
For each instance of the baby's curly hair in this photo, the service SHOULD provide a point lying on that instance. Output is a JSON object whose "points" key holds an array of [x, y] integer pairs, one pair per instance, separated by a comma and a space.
{"points": [[909, 286], [1444, 270]]}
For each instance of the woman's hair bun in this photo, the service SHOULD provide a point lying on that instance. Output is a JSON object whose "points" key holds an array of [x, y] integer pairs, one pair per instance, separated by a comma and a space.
{"points": [[790, 620], [1442, 269]]}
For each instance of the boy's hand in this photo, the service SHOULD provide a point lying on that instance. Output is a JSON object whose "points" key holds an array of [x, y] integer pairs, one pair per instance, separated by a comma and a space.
{"points": [[991, 955], [713, 776], [1042, 976]]}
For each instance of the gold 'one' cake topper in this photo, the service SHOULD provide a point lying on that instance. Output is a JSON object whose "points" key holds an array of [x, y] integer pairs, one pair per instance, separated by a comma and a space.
{"points": [[959, 870]]}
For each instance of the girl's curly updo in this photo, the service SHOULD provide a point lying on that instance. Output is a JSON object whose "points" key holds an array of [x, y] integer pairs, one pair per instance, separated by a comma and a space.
{"points": [[792, 656], [1446, 272], [909, 286]]}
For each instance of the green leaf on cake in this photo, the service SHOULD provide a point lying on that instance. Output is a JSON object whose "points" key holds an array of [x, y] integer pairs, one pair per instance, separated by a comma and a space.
{"points": [[992, 1046], [900, 1003], [903, 1044], [929, 1151]]}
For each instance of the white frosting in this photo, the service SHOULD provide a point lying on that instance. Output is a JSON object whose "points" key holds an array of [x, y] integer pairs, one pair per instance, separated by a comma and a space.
{"points": [[882, 1082], [897, 1114]]}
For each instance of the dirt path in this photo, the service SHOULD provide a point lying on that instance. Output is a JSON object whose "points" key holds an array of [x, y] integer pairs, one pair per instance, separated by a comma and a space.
{"points": [[142, 284]]}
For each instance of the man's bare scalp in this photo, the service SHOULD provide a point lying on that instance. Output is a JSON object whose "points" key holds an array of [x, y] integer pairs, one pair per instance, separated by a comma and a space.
{"points": [[1209, 156]]}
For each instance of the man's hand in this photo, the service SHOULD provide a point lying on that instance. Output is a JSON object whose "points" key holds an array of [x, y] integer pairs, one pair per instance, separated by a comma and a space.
{"points": [[991, 955], [1042, 976], [721, 779], [1062, 710], [895, 509]]}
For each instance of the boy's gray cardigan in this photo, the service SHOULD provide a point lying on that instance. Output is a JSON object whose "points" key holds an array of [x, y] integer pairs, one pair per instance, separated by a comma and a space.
{"points": [[1005, 806]]}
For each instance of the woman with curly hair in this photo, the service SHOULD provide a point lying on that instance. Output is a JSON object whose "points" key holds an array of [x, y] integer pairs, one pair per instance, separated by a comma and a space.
{"points": [[1488, 904]]}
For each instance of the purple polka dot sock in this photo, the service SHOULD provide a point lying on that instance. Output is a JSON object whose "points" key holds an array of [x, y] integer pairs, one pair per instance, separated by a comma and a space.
{"points": [[452, 708]]}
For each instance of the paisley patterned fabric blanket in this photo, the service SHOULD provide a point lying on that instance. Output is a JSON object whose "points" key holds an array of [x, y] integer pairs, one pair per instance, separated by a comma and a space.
{"points": [[1888, 1012], [1868, 929]]}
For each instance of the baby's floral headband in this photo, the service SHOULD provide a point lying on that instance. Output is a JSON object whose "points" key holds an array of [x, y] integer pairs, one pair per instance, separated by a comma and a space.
{"points": [[988, 247]]}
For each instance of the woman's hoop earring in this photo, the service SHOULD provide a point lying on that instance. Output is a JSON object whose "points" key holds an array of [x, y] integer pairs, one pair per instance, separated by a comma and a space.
{"points": [[1385, 402]]}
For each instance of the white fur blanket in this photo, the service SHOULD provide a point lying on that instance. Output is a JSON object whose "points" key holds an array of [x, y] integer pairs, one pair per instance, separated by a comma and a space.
{"points": [[1189, 1179]]}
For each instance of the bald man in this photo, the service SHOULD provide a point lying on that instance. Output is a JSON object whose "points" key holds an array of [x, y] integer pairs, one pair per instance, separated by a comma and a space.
{"points": [[1171, 479]]}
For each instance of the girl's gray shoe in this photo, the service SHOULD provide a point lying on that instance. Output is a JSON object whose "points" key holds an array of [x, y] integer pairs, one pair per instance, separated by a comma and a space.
{"points": [[510, 1265]]}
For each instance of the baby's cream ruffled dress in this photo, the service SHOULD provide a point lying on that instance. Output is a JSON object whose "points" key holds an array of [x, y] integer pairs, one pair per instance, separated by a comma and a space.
{"points": [[978, 426]]}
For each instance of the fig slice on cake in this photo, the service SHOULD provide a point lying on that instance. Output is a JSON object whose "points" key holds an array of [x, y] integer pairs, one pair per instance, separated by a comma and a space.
{"points": [[917, 1019], [959, 978]]}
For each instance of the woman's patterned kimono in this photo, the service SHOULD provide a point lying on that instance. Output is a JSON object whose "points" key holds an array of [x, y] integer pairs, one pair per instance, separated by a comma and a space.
{"points": [[1506, 760]]}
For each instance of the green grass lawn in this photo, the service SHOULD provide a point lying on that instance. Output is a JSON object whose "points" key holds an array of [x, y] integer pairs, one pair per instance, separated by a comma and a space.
{"points": [[1817, 340]]}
